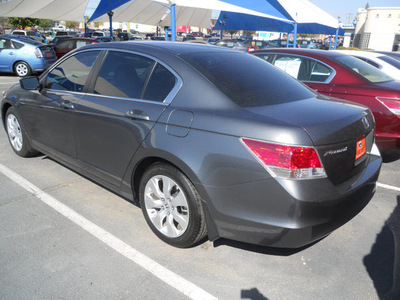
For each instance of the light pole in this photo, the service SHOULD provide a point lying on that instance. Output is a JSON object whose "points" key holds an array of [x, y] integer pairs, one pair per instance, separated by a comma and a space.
{"points": [[110, 15]]}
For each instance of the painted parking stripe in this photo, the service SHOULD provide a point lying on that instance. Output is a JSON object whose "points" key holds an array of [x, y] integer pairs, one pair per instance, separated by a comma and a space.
{"points": [[181, 284], [389, 187]]}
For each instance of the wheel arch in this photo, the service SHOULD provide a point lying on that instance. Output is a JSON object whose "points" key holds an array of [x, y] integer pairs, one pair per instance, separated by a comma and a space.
{"points": [[146, 162], [4, 110], [18, 61]]}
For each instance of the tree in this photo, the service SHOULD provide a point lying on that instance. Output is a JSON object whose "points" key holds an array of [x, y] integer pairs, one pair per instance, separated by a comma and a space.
{"points": [[23, 22], [231, 32], [44, 23], [71, 24], [3, 22]]}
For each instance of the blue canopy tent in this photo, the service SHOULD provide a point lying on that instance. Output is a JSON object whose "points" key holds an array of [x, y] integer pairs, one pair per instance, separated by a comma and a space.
{"points": [[183, 12], [305, 17]]}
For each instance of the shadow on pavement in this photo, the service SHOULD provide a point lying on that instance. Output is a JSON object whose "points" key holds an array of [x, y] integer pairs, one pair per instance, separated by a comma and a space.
{"points": [[252, 294], [383, 262], [390, 155]]}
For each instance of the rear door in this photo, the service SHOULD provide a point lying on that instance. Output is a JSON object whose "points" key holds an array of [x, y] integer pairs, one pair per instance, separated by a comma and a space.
{"points": [[7, 55], [127, 98]]}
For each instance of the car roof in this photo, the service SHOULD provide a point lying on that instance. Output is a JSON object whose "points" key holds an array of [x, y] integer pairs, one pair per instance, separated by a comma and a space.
{"points": [[359, 53], [171, 47], [302, 51]]}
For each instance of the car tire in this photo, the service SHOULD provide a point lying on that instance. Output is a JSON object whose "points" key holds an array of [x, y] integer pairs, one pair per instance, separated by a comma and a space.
{"points": [[172, 206], [22, 69], [16, 135]]}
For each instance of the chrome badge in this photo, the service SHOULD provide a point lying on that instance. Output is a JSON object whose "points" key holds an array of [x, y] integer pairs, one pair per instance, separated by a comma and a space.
{"points": [[365, 122], [335, 151]]}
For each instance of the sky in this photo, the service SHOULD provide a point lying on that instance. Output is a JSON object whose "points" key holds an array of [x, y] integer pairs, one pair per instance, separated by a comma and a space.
{"points": [[342, 8]]}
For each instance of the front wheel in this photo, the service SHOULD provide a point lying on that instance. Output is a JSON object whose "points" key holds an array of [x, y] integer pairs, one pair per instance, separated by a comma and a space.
{"points": [[16, 135], [22, 69], [171, 206]]}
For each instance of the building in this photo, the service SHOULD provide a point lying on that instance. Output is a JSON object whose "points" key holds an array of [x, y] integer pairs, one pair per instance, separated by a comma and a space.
{"points": [[378, 28]]}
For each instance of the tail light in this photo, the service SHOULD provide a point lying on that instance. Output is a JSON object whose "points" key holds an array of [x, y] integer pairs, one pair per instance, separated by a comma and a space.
{"points": [[290, 162], [38, 53], [393, 104]]}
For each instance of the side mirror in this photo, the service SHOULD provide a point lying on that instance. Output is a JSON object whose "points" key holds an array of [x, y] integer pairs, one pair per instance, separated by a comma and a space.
{"points": [[29, 83]]}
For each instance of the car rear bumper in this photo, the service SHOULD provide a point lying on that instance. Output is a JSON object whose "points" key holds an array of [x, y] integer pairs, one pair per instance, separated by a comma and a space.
{"points": [[387, 142], [41, 65], [288, 214]]}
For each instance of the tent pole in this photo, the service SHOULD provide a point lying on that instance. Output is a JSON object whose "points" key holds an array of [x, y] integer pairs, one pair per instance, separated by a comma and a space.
{"points": [[330, 41], [337, 33], [295, 34], [287, 40], [110, 14], [173, 23]]}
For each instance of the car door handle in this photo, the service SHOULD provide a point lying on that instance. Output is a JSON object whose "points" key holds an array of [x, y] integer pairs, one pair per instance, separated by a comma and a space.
{"points": [[67, 104], [137, 114]]}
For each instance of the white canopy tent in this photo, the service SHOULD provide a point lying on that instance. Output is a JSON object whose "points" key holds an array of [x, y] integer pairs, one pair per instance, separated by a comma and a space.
{"points": [[68, 10]]}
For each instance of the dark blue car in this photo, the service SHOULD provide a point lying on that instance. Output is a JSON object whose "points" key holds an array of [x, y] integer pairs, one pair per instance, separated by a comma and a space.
{"points": [[23, 56]]}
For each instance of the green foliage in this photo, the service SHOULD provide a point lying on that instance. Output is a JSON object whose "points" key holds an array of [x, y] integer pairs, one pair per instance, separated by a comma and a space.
{"points": [[71, 24], [22, 23], [348, 48], [44, 23], [231, 32]]}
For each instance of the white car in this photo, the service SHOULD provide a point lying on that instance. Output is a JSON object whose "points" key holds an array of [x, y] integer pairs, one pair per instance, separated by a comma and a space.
{"points": [[386, 64]]}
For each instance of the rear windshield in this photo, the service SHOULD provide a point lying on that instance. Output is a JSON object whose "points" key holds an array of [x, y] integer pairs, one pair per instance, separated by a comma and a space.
{"points": [[362, 68], [247, 80]]}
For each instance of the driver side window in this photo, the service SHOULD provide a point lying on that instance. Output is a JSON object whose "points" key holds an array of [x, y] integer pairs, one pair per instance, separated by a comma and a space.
{"points": [[71, 74]]}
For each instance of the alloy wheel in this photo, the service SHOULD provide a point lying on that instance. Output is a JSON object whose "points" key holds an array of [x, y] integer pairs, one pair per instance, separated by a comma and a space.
{"points": [[14, 132]]}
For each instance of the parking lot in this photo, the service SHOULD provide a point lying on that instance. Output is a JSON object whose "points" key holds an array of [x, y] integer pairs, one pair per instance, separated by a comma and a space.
{"points": [[63, 236]]}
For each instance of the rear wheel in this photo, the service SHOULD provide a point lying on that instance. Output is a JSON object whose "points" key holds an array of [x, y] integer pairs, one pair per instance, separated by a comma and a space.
{"points": [[171, 206], [22, 69], [16, 135]]}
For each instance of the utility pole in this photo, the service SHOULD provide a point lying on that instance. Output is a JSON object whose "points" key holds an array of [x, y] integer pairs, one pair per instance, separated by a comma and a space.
{"points": [[349, 14]]}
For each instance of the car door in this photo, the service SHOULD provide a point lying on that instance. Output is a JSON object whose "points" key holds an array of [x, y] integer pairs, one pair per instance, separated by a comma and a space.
{"points": [[7, 55], [49, 113], [127, 98]]}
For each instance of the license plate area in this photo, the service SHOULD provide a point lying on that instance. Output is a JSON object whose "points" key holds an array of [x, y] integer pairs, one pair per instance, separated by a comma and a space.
{"points": [[48, 54], [361, 147]]}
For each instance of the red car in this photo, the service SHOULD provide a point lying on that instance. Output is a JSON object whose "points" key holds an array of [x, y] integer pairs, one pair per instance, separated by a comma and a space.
{"points": [[65, 46], [345, 77]]}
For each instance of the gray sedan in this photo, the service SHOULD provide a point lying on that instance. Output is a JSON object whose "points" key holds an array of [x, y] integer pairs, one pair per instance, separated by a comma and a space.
{"points": [[208, 141]]}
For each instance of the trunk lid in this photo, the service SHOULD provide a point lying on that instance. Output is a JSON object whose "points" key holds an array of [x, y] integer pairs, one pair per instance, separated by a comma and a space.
{"points": [[334, 126]]}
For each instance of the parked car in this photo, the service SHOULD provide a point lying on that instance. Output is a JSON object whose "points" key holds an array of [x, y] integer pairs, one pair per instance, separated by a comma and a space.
{"points": [[308, 44], [212, 40], [241, 45], [68, 45], [29, 33], [208, 147], [58, 39], [278, 42], [98, 33], [339, 75], [386, 64], [104, 39], [24, 56], [395, 55], [124, 36]]}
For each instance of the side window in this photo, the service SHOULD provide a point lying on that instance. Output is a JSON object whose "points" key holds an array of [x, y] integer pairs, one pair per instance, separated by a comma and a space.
{"points": [[17, 45], [5, 44], [320, 72], [372, 63], [72, 73], [123, 75], [298, 67], [160, 84]]}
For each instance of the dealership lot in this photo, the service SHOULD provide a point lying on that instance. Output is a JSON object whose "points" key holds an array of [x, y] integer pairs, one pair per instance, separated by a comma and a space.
{"points": [[49, 250]]}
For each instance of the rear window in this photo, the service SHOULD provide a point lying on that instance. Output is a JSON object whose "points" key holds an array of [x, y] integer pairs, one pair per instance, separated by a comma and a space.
{"points": [[362, 68], [18, 33], [247, 80]]}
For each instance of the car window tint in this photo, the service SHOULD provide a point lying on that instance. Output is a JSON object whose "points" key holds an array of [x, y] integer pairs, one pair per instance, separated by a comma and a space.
{"points": [[320, 72], [68, 44], [248, 81], [298, 67], [123, 75], [30, 33], [72, 73], [361, 68], [18, 33], [5, 44], [17, 45], [390, 60], [263, 56], [160, 84], [372, 63]]}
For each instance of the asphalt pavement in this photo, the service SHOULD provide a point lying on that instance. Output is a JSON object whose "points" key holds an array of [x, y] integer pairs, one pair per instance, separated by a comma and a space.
{"points": [[63, 236]]}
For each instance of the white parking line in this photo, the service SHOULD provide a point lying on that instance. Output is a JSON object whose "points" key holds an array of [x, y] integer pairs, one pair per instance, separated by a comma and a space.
{"points": [[389, 187], [187, 288]]}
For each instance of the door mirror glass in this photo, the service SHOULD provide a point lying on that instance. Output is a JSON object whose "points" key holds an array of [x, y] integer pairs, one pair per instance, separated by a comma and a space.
{"points": [[29, 83]]}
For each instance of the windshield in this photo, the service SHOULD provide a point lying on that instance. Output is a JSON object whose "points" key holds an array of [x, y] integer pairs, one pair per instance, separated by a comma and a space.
{"points": [[362, 68], [247, 80]]}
